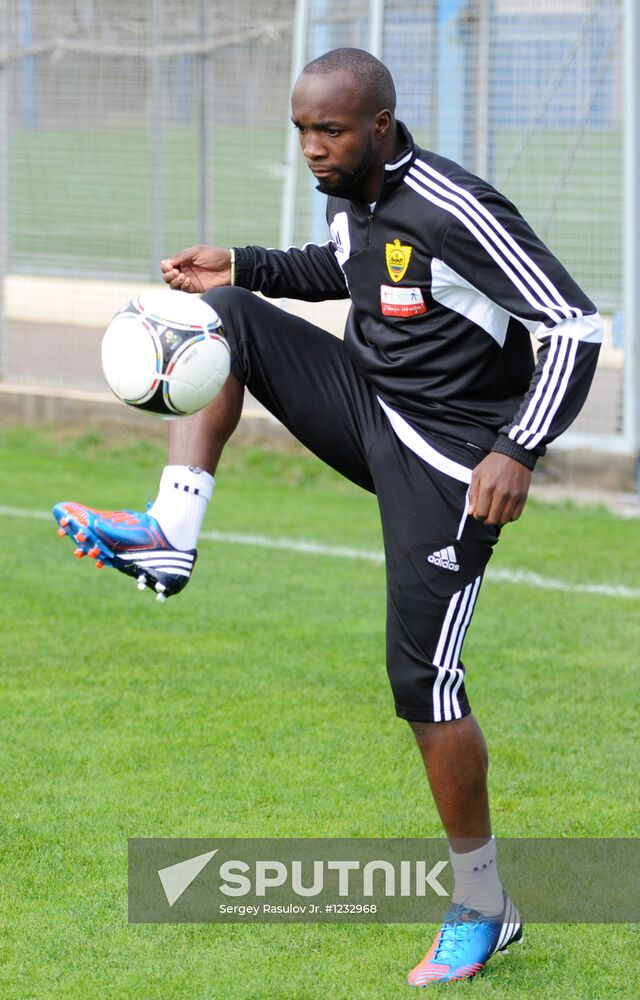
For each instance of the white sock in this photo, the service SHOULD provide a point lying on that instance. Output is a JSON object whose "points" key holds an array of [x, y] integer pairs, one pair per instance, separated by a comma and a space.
{"points": [[476, 880], [181, 503]]}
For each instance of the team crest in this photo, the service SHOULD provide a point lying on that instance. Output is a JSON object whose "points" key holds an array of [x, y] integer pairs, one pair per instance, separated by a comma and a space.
{"points": [[398, 257]]}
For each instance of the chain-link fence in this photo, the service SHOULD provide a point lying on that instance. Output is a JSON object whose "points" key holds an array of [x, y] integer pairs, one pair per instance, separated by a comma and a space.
{"points": [[130, 130], [137, 127]]}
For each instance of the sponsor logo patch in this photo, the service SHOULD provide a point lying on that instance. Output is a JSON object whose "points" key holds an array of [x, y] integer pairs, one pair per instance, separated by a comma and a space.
{"points": [[401, 301], [398, 257]]}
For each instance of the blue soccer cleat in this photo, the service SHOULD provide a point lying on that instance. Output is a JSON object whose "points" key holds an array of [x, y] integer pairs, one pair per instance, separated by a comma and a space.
{"points": [[465, 942], [129, 541]]}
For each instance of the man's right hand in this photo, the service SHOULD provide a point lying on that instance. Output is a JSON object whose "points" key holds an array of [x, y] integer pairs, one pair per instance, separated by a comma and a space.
{"points": [[197, 269]]}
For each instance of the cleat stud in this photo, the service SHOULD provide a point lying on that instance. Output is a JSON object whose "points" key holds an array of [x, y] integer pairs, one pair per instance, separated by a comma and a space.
{"points": [[61, 532], [94, 552], [142, 580], [99, 564], [160, 596], [79, 553], [160, 588], [81, 537], [64, 522]]}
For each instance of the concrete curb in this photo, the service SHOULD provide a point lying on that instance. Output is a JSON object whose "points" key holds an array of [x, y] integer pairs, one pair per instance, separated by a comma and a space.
{"points": [[32, 405]]}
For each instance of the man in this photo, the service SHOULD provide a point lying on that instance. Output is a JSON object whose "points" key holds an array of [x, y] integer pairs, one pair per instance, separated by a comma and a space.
{"points": [[432, 402]]}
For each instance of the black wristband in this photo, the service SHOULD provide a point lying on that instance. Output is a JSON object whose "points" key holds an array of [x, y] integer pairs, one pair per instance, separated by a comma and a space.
{"points": [[505, 446]]}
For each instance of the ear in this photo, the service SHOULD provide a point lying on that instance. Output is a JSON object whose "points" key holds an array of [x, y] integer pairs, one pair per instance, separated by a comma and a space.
{"points": [[382, 123]]}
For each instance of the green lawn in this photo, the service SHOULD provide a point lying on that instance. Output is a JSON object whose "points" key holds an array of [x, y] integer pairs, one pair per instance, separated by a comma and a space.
{"points": [[83, 199], [256, 705]]}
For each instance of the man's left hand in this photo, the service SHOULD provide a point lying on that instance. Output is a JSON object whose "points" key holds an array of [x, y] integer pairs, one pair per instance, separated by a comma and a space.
{"points": [[499, 489]]}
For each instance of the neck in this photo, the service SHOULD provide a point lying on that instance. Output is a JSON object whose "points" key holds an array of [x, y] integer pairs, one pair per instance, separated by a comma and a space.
{"points": [[395, 143], [390, 148]]}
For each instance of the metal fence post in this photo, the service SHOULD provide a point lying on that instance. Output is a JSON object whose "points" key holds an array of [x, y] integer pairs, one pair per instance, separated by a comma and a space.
{"points": [[205, 226], [155, 143], [631, 418], [376, 27], [298, 55], [453, 57], [5, 171], [483, 126], [27, 65]]}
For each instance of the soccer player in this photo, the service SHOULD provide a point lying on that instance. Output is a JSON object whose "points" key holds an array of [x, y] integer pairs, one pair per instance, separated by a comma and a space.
{"points": [[433, 401]]}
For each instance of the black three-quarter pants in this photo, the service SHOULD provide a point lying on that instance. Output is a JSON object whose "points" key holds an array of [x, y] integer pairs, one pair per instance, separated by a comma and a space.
{"points": [[435, 555]]}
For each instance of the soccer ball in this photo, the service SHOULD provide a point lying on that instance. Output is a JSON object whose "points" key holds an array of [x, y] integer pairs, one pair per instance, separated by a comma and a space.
{"points": [[165, 352]]}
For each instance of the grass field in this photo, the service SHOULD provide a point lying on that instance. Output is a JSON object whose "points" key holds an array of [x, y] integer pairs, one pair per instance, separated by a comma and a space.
{"points": [[83, 197], [256, 704]]}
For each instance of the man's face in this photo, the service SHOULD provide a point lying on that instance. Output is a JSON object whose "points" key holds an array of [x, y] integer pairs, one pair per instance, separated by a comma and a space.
{"points": [[337, 134]]}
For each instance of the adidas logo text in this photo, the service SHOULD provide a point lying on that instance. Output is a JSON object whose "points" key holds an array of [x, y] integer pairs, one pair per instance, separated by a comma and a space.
{"points": [[445, 559]]}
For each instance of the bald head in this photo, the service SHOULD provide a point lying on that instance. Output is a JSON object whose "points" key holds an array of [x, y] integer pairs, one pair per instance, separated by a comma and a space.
{"points": [[342, 105], [372, 80]]}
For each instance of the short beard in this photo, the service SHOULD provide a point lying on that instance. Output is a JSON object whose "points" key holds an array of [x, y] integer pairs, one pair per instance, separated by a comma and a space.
{"points": [[347, 180]]}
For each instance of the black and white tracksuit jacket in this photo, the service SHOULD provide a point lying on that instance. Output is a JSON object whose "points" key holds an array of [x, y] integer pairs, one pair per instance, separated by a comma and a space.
{"points": [[447, 282]]}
